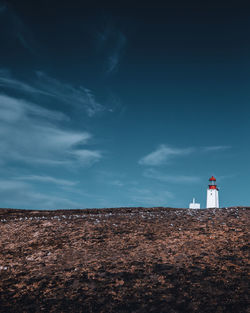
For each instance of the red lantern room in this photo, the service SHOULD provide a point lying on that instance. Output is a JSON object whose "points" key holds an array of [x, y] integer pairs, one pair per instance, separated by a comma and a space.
{"points": [[212, 183]]}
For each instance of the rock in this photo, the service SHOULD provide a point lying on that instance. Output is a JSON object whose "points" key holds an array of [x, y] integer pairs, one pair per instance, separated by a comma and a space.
{"points": [[124, 260]]}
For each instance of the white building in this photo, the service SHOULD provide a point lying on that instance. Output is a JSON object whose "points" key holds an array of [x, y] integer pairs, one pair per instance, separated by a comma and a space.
{"points": [[212, 194], [194, 205]]}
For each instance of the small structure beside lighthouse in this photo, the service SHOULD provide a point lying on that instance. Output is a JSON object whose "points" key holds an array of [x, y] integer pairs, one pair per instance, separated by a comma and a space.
{"points": [[194, 205], [212, 194]]}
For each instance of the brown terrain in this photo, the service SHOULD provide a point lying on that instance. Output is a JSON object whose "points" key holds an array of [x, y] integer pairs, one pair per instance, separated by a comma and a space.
{"points": [[124, 260]]}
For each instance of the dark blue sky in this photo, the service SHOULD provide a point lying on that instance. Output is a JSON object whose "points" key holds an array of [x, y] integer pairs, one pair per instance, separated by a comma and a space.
{"points": [[137, 105]]}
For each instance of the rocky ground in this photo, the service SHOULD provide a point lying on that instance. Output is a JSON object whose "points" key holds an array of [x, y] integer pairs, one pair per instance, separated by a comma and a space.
{"points": [[124, 260]]}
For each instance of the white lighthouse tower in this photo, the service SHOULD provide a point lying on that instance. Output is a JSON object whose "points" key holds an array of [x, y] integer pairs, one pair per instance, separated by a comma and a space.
{"points": [[212, 194]]}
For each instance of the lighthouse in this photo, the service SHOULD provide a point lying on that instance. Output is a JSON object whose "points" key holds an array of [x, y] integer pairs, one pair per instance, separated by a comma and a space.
{"points": [[212, 194]]}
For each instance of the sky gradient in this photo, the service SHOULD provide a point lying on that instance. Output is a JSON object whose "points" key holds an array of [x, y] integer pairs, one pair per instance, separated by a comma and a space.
{"points": [[123, 106]]}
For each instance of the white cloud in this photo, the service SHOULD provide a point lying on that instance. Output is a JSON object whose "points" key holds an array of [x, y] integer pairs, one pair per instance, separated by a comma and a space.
{"points": [[113, 178], [47, 179], [31, 134], [13, 109], [149, 197], [9, 185], [111, 42], [116, 183], [152, 173], [7, 81], [13, 25], [80, 98], [41, 200], [163, 154], [22, 195], [215, 148], [115, 54], [87, 156], [16, 193]]}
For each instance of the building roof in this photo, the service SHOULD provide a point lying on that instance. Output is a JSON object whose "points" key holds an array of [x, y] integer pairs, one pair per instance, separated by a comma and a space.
{"points": [[212, 178]]}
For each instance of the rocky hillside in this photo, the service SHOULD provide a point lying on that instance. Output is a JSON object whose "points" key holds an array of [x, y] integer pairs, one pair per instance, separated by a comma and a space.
{"points": [[124, 260]]}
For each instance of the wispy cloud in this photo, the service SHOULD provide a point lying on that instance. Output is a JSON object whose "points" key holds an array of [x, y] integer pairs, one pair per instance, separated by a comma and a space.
{"points": [[87, 157], [178, 179], [6, 185], [112, 42], [7, 81], [215, 148], [13, 25], [110, 177], [25, 196], [149, 197], [13, 109], [80, 98], [163, 154], [115, 55], [47, 179], [116, 183], [31, 134]]}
